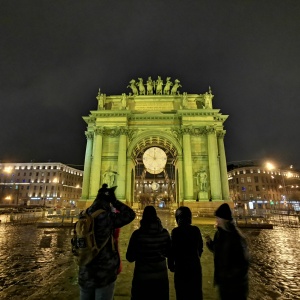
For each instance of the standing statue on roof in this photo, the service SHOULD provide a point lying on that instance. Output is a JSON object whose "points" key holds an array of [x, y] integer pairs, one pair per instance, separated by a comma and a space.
{"points": [[100, 98], [124, 101], [159, 86], [141, 86], [168, 86], [150, 86], [208, 96], [184, 100]]}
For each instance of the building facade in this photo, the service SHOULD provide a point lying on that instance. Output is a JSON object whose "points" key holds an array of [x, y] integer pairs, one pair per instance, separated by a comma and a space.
{"points": [[50, 184], [155, 144], [257, 185]]}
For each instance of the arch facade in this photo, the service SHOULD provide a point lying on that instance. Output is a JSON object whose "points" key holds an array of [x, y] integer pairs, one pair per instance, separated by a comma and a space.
{"points": [[185, 126]]}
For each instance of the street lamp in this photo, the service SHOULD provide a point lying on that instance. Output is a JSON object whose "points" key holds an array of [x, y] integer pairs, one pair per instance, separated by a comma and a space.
{"points": [[271, 166], [55, 181], [6, 170]]}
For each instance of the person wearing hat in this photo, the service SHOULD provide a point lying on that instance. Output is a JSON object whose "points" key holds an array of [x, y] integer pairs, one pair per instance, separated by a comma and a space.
{"points": [[97, 278], [231, 258], [148, 247], [184, 260]]}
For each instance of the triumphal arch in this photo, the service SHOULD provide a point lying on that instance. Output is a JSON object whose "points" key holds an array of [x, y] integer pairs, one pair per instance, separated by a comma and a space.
{"points": [[159, 145]]}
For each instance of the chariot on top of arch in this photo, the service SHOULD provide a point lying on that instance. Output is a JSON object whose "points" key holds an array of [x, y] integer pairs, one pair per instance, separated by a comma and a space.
{"points": [[154, 87]]}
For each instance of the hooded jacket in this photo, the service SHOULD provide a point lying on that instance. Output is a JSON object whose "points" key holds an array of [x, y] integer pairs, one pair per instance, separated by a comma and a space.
{"points": [[148, 248], [231, 259], [103, 269], [186, 250]]}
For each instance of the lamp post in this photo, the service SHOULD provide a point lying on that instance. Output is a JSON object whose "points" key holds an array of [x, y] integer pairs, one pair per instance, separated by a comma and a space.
{"points": [[55, 181], [270, 166], [6, 170]]}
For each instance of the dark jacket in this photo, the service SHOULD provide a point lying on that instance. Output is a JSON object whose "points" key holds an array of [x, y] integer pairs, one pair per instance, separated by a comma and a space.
{"points": [[102, 270], [184, 260], [231, 262], [148, 248]]}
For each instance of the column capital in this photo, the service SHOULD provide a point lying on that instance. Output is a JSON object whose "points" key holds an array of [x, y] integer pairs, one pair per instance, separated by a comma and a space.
{"points": [[99, 130], [124, 130], [198, 131], [116, 131], [221, 134], [186, 130], [210, 129], [89, 134]]}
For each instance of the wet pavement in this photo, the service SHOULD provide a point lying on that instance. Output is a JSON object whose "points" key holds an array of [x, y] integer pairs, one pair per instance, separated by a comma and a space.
{"points": [[36, 263]]}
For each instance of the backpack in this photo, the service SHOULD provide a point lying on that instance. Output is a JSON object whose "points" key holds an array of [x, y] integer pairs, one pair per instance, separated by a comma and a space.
{"points": [[84, 246]]}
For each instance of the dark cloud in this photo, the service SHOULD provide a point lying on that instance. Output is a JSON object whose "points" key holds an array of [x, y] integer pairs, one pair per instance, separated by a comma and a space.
{"points": [[55, 55]]}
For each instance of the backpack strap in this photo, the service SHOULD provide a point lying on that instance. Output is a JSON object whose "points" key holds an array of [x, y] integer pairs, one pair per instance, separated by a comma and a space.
{"points": [[96, 214]]}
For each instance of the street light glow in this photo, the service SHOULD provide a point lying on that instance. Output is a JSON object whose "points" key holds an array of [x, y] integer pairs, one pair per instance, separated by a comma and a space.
{"points": [[270, 166], [7, 169]]}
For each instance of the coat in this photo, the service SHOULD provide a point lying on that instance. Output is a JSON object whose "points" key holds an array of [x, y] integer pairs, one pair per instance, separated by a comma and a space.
{"points": [[103, 269], [184, 260], [149, 247], [231, 263]]}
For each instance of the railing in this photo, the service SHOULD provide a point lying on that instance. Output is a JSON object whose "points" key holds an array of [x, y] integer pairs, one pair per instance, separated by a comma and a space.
{"points": [[38, 216], [280, 217]]}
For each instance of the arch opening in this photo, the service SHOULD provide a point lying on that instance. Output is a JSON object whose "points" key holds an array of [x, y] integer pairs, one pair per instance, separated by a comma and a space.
{"points": [[155, 188]]}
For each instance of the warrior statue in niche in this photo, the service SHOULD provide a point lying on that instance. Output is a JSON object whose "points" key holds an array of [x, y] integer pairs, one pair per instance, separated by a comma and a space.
{"points": [[168, 86], [175, 87], [159, 86], [202, 180], [141, 86], [133, 87], [109, 177]]}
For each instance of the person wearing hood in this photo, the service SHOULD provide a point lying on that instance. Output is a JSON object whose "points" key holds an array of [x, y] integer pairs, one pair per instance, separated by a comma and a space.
{"points": [[184, 260], [97, 279], [148, 247], [231, 259]]}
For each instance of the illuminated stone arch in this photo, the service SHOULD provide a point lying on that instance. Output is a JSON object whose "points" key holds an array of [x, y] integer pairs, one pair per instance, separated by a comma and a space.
{"points": [[185, 125]]}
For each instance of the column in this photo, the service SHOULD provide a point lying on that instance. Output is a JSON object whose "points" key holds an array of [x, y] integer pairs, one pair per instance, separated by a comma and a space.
{"points": [[129, 183], [187, 165], [87, 165], [214, 171], [180, 188], [96, 163], [120, 191], [223, 165]]}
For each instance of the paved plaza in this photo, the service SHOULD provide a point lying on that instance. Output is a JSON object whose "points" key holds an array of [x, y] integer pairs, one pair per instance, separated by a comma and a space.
{"points": [[36, 263]]}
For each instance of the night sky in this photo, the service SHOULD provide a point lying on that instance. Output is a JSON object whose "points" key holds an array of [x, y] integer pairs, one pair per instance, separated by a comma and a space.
{"points": [[55, 55]]}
